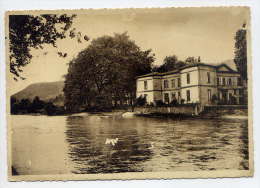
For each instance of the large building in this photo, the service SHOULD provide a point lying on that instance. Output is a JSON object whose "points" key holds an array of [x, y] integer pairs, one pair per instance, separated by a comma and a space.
{"points": [[199, 83]]}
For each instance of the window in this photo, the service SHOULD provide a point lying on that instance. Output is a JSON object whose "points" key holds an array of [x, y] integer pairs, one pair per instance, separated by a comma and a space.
{"points": [[173, 96], [209, 95], [188, 95], [145, 96], [219, 95], [230, 81], [165, 83], [208, 76], [166, 97], [173, 83], [239, 81], [223, 81], [145, 85], [230, 97], [188, 78], [218, 81], [179, 95], [179, 82]]}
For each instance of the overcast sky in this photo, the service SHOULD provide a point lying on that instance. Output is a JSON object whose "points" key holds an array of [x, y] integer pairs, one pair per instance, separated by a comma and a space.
{"points": [[205, 32]]}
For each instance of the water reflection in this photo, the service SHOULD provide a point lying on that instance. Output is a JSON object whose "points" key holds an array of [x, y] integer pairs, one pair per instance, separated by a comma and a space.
{"points": [[90, 154], [153, 145]]}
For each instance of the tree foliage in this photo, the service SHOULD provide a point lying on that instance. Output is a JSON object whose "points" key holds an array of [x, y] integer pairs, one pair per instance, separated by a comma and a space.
{"points": [[241, 52], [25, 106], [170, 63], [105, 72], [140, 101], [28, 31]]}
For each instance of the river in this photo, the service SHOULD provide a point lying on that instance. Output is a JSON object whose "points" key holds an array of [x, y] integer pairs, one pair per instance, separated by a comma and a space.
{"points": [[81, 144]]}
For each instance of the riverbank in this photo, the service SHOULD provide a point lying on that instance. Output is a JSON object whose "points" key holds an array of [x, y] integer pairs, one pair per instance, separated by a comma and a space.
{"points": [[185, 112], [225, 111]]}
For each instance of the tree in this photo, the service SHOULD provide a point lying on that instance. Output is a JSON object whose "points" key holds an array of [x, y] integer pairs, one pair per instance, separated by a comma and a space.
{"points": [[79, 89], [28, 31], [37, 104], [50, 109], [170, 63], [106, 70], [25, 106], [14, 105], [241, 52]]}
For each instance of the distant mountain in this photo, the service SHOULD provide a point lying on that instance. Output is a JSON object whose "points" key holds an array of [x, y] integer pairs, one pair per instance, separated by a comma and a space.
{"points": [[46, 91]]}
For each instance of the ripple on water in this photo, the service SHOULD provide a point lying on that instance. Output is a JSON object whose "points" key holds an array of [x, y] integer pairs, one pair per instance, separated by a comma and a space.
{"points": [[144, 144]]}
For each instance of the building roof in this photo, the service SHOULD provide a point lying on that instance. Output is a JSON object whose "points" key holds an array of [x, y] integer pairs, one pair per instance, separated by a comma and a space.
{"points": [[230, 70], [217, 67], [158, 73]]}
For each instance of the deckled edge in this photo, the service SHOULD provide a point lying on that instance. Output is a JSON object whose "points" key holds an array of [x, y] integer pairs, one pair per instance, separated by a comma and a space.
{"points": [[130, 175]]}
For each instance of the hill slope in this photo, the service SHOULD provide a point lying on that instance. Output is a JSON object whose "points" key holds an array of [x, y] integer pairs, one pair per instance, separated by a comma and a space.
{"points": [[46, 91]]}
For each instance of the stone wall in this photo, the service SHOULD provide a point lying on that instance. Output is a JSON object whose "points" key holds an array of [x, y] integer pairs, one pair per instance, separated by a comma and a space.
{"points": [[185, 109]]}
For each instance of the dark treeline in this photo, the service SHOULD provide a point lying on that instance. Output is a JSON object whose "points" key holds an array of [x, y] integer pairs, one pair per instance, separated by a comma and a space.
{"points": [[26, 106], [171, 63]]}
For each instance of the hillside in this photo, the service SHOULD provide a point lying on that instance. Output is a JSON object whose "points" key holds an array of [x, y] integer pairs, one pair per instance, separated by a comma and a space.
{"points": [[46, 91]]}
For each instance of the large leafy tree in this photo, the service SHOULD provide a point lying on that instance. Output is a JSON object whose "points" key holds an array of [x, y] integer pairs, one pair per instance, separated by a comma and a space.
{"points": [[241, 52], [105, 72], [29, 31]]}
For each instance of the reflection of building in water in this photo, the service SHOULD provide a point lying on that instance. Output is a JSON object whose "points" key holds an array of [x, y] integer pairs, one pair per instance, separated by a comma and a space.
{"points": [[197, 83]]}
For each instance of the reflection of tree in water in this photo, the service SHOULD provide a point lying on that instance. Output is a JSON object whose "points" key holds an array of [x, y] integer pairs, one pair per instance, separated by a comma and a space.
{"points": [[204, 144], [244, 149], [90, 154]]}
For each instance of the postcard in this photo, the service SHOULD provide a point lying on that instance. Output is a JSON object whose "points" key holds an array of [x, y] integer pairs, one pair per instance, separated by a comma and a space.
{"points": [[145, 93]]}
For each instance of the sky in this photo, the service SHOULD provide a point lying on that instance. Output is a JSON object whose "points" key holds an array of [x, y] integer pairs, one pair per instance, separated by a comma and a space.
{"points": [[205, 32]]}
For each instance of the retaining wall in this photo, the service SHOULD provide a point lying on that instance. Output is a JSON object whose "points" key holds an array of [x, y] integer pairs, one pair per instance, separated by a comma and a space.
{"points": [[188, 110]]}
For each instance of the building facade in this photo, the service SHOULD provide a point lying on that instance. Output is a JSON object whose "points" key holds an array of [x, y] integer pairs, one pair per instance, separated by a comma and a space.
{"points": [[199, 83]]}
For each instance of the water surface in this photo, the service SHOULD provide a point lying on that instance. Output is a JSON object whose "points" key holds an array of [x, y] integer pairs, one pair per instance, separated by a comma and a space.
{"points": [[77, 144]]}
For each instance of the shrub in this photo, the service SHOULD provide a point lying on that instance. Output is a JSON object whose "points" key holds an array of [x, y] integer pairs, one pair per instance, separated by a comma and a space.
{"points": [[140, 101], [102, 104], [50, 108], [159, 103], [151, 104], [174, 102], [233, 100], [214, 99]]}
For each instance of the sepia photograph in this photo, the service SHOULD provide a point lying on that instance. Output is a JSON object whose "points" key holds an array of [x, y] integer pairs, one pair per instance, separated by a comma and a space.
{"points": [[145, 93]]}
